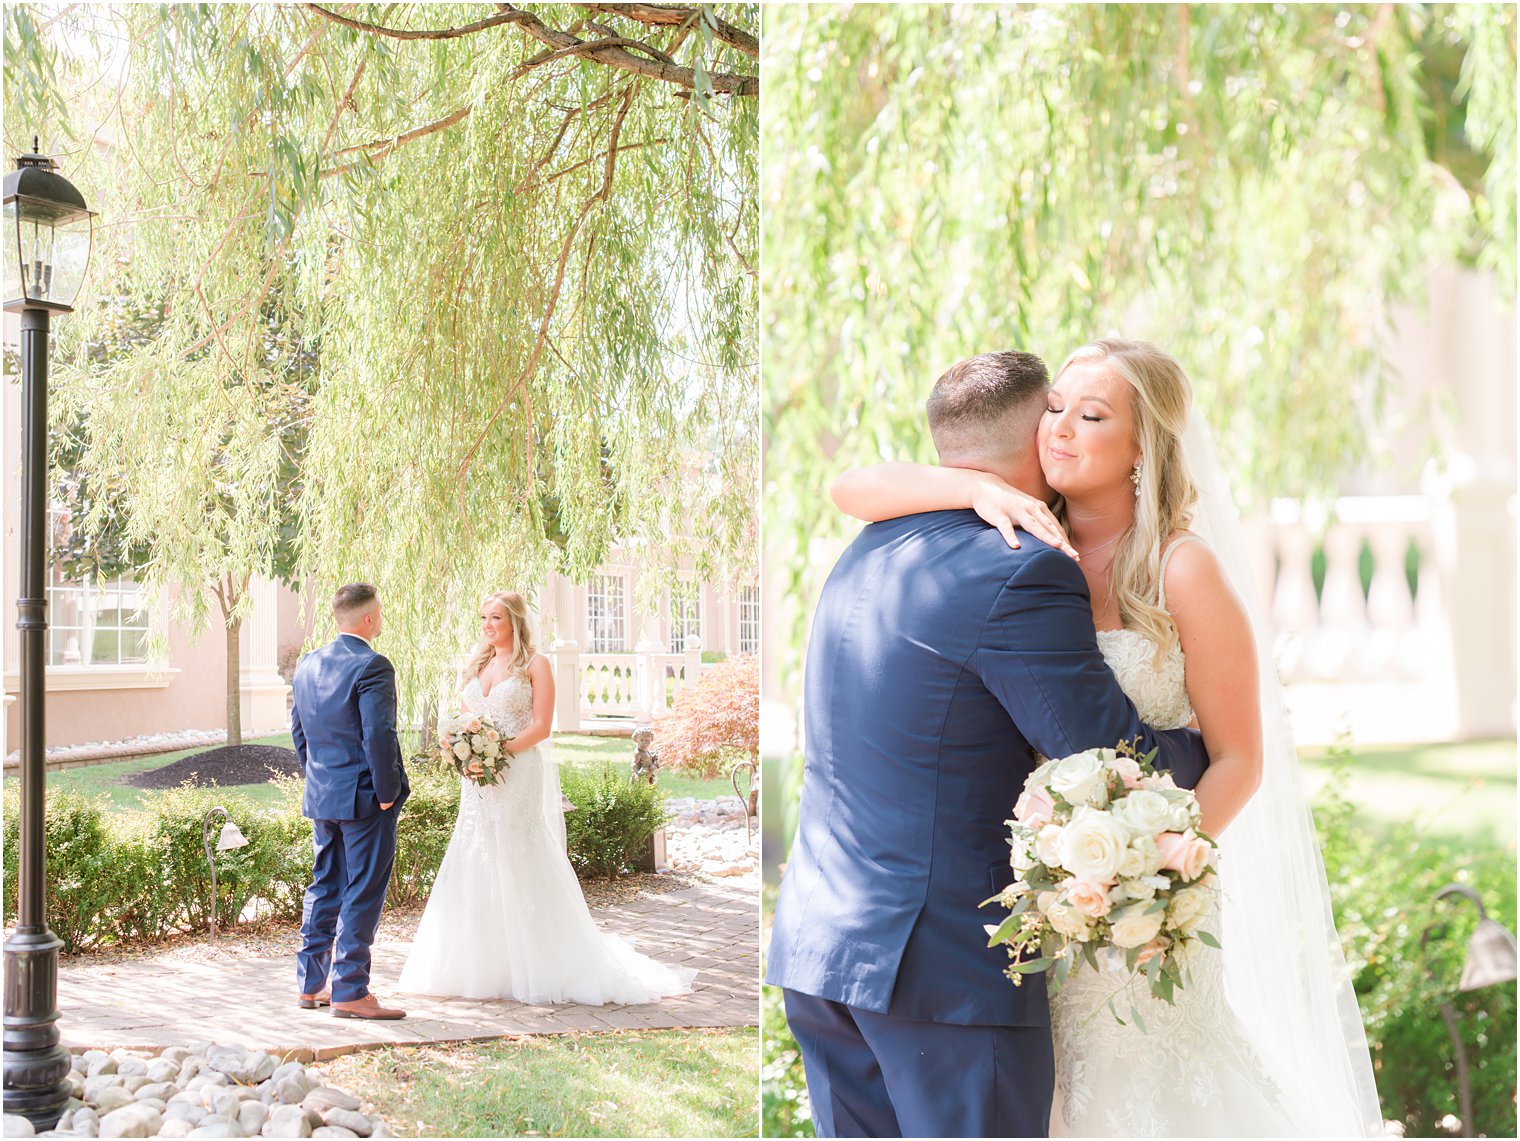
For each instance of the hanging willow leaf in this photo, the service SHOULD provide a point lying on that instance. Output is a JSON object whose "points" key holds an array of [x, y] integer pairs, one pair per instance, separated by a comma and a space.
{"points": [[518, 252]]}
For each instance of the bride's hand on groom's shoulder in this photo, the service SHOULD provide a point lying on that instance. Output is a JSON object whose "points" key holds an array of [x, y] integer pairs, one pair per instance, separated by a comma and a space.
{"points": [[1006, 507]]}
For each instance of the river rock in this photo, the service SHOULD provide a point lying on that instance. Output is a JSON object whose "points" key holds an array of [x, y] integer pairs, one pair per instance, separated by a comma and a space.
{"points": [[130, 1065], [162, 1091], [333, 1131], [251, 1117], [348, 1119], [162, 1070], [131, 1121], [293, 1088], [287, 1121], [105, 1064], [175, 1127], [325, 1097], [111, 1098]]}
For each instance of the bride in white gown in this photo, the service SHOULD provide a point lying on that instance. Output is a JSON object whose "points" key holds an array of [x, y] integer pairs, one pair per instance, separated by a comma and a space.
{"points": [[506, 917], [1265, 1039]]}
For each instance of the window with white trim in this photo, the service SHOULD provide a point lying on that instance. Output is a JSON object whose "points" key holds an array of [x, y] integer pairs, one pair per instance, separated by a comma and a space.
{"points": [[749, 620], [94, 621], [607, 613], [685, 615]]}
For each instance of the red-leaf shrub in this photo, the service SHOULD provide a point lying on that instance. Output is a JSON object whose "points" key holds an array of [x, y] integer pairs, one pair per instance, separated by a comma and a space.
{"points": [[715, 724]]}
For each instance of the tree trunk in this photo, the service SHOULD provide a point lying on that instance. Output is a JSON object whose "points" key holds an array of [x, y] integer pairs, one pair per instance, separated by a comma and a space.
{"points": [[228, 594], [234, 683]]}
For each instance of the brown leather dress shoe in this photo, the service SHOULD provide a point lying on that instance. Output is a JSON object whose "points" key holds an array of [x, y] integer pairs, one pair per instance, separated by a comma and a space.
{"points": [[366, 1007], [313, 1001]]}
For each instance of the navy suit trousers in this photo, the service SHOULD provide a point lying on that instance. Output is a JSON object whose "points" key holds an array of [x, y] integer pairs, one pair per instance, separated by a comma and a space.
{"points": [[946, 1080], [342, 909]]}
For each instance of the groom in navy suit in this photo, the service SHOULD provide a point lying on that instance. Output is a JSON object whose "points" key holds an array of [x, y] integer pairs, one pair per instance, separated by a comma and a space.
{"points": [[343, 723], [941, 661]]}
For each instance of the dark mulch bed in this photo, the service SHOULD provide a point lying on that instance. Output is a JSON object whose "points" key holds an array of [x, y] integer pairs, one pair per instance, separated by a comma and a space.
{"points": [[226, 766]]}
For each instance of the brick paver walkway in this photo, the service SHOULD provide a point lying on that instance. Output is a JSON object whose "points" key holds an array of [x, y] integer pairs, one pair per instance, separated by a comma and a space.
{"points": [[150, 1003]]}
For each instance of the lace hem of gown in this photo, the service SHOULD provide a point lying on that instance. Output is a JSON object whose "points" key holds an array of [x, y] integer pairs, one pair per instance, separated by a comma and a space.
{"points": [[506, 917]]}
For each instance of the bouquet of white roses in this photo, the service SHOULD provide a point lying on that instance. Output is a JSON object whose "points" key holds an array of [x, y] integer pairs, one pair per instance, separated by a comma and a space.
{"points": [[1109, 854], [474, 745]]}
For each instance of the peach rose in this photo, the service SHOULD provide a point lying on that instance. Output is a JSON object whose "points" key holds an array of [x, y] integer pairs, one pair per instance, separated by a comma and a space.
{"points": [[1150, 951], [1034, 808], [1159, 781], [1089, 898], [1185, 853], [473, 726], [1129, 771]]}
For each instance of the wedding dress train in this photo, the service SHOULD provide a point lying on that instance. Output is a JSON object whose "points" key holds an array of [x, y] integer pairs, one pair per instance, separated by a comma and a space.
{"points": [[506, 917]]}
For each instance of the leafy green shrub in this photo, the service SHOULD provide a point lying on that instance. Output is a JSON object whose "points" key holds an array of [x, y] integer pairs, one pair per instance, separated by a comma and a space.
{"points": [[1383, 883], [423, 831], [613, 819], [132, 877]]}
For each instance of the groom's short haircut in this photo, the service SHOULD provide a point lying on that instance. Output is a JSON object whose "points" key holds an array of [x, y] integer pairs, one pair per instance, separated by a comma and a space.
{"points": [[988, 405], [351, 599]]}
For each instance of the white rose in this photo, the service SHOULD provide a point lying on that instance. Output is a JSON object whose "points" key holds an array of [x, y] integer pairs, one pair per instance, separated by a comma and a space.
{"points": [[1150, 854], [1188, 908], [1143, 812], [1181, 817], [1131, 927], [478, 745], [1140, 887], [462, 750], [1092, 845], [1077, 777], [1068, 921], [493, 749], [1047, 845]]}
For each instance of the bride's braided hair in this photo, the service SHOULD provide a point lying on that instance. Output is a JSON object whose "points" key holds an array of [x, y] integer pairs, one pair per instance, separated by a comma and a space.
{"points": [[1164, 505], [516, 607]]}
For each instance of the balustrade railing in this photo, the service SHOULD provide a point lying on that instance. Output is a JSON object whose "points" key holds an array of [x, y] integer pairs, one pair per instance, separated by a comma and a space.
{"points": [[629, 687]]}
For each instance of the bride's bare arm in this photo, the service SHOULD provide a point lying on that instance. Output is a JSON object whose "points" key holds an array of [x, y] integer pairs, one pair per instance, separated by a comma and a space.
{"points": [[538, 729], [1222, 680], [891, 490]]}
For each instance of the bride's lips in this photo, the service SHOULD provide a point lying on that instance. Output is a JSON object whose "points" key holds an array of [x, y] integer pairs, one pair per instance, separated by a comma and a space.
{"points": [[1058, 454]]}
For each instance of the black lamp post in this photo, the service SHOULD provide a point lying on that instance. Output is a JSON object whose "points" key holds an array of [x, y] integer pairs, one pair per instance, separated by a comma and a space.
{"points": [[1490, 960], [47, 233]]}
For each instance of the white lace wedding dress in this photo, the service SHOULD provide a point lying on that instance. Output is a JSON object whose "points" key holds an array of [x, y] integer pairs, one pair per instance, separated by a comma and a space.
{"points": [[1192, 1071], [506, 917]]}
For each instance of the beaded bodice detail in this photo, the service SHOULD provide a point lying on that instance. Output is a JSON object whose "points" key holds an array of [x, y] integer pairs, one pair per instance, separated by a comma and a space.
{"points": [[1158, 688], [509, 704]]}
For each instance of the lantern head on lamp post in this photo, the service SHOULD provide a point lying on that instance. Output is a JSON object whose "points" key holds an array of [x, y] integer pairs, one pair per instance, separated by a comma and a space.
{"points": [[48, 231], [47, 234]]}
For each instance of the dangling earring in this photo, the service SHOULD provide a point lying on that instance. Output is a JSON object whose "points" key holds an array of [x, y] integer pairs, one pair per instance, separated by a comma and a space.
{"points": [[1134, 476]]}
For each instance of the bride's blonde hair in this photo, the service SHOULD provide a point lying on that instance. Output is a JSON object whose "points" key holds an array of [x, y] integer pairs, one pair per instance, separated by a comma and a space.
{"points": [[523, 649], [1164, 505]]}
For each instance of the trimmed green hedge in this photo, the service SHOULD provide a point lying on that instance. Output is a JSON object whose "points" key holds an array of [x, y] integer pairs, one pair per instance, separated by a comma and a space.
{"points": [[133, 877]]}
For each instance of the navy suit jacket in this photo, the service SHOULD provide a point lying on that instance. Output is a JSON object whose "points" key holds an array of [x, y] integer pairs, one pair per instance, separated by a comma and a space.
{"points": [[940, 662], [343, 723]]}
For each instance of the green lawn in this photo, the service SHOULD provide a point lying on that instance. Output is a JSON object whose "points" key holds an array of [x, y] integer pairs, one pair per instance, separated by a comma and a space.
{"points": [[659, 1083], [1454, 790], [573, 750]]}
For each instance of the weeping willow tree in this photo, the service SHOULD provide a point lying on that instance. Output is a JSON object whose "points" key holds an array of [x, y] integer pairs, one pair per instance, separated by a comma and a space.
{"points": [[1248, 185], [519, 244]]}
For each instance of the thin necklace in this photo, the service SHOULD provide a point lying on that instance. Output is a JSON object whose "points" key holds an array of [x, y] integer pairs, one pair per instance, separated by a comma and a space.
{"points": [[1103, 547]]}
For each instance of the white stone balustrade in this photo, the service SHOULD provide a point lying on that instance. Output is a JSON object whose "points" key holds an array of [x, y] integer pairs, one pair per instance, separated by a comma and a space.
{"points": [[625, 688], [1439, 657]]}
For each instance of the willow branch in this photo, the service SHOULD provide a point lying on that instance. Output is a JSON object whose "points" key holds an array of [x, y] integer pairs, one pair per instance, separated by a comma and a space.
{"points": [[502, 17], [386, 146], [727, 83], [670, 15]]}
